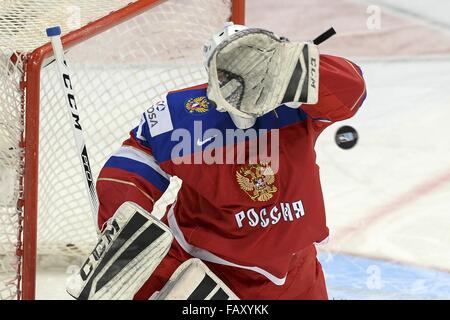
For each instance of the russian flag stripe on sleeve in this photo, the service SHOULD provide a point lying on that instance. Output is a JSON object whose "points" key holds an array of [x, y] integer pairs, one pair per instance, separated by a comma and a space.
{"points": [[140, 169], [134, 161], [138, 130], [140, 156]]}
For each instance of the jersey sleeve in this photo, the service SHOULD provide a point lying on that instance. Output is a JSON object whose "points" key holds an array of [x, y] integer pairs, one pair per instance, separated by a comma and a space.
{"points": [[342, 91], [130, 174]]}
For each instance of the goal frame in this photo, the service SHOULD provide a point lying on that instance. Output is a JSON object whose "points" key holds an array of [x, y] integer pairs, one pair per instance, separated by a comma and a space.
{"points": [[30, 87]]}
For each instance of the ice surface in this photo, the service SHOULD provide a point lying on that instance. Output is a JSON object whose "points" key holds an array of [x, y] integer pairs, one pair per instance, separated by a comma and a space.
{"points": [[352, 277]]}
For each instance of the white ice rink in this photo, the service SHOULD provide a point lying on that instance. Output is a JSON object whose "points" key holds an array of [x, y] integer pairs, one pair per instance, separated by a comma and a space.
{"points": [[388, 198]]}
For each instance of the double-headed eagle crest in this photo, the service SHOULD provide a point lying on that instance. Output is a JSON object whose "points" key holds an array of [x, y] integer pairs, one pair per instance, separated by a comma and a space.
{"points": [[257, 181], [197, 105]]}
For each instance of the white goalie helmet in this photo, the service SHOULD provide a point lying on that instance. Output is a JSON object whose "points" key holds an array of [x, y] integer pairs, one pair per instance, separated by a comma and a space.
{"points": [[219, 37], [208, 48]]}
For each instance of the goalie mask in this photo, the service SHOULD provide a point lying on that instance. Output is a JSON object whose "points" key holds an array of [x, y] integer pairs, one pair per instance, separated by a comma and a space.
{"points": [[252, 71]]}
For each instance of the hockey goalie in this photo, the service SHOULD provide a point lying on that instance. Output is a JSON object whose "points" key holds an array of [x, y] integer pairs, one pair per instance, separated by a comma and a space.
{"points": [[244, 225]]}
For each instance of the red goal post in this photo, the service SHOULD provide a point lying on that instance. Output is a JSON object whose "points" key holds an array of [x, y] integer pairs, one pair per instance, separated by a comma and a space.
{"points": [[30, 85]]}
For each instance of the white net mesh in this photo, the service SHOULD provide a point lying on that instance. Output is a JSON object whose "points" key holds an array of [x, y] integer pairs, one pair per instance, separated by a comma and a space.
{"points": [[116, 76]]}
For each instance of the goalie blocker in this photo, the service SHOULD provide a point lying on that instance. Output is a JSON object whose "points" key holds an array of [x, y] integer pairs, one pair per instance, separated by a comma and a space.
{"points": [[130, 248]]}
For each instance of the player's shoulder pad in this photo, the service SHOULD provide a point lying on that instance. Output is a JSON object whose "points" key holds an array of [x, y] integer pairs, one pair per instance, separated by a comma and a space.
{"points": [[166, 115]]}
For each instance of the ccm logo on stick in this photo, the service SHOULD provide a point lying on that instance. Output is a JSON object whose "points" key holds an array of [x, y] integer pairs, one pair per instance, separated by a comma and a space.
{"points": [[71, 98]]}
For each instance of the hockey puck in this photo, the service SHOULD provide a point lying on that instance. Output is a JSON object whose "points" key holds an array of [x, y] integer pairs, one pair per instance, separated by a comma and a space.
{"points": [[346, 137]]}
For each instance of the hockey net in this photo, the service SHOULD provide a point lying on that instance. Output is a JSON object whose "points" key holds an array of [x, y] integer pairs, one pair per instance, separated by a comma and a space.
{"points": [[116, 75]]}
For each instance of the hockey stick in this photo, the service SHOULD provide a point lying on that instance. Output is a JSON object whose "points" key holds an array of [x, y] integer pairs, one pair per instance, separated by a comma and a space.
{"points": [[324, 36], [54, 33]]}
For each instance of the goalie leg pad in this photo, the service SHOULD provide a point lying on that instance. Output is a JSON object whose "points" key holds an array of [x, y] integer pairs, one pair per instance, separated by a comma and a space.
{"points": [[128, 251], [194, 281]]}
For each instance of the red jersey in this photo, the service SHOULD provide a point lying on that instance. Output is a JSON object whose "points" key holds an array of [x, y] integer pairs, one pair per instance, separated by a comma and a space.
{"points": [[251, 215]]}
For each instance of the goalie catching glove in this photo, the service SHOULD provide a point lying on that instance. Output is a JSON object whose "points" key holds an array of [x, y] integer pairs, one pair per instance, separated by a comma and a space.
{"points": [[252, 71]]}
